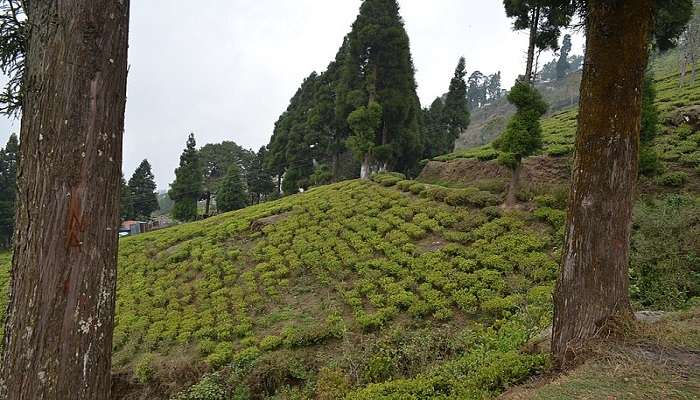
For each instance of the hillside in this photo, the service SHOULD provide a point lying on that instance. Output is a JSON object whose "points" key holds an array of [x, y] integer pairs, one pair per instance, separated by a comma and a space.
{"points": [[559, 128], [487, 122], [372, 290]]}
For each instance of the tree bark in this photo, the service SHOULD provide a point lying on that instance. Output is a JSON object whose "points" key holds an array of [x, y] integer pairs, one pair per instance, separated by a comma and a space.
{"points": [[512, 196], [58, 334], [593, 285], [207, 204], [534, 26], [365, 170]]}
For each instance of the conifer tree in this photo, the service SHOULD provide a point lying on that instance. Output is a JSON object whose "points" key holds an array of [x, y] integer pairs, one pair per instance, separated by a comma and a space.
{"points": [[232, 193], [187, 188], [435, 136], [523, 135], [544, 20], [142, 189], [126, 202], [258, 178], [365, 123], [456, 110], [9, 157], [379, 68], [563, 65]]}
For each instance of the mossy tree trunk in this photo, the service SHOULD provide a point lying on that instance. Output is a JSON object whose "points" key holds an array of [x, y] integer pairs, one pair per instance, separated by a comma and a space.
{"points": [[593, 285], [58, 335]]}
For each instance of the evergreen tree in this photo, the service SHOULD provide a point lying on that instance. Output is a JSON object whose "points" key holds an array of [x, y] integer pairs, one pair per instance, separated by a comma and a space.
{"points": [[435, 135], [126, 202], [187, 188], [142, 189], [216, 159], [9, 157], [544, 19], [523, 135], [476, 91], [379, 68], [494, 87], [563, 65], [231, 194], [258, 178], [455, 113], [365, 122]]}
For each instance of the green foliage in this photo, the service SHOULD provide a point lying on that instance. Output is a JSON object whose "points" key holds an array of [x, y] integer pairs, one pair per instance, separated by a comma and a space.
{"points": [[665, 261], [231, 194], [188, 185], [364, 122], [673, 179], [523, 136], [5, 266], [14, 40], [216, 159], [141, 190], [143, 370], [455, 113], [209, 388], [9, 162]]}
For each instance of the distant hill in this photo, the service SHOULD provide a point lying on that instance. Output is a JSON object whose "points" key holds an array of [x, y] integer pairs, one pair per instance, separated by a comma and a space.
{"points": [[489, 121]]}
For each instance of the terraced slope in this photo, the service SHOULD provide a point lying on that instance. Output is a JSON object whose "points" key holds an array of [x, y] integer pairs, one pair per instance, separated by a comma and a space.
{"points": [[329, 291]]}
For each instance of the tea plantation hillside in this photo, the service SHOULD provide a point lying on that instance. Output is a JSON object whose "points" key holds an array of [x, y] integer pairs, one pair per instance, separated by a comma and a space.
{"points": [[327, 292], [390, 289]]}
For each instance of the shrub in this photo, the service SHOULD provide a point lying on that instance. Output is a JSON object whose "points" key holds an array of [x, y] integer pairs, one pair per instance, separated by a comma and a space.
{"points": [[417, 188], [673, 179], [684, 131], [209, 388], [559, 150], [270, 342], [143, 369], [664, 258]]}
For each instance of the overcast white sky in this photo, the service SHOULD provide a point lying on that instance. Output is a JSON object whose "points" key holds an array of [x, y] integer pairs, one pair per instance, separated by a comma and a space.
{"points": [[226, 69]]}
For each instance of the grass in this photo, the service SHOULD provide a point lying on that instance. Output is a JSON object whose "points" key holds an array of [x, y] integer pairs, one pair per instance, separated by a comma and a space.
{"points": [[657, 361]]}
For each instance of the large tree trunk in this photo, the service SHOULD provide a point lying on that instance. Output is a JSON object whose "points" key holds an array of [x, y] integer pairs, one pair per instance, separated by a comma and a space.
{"points": [[58, 335], [534, 26], [593, 283]]}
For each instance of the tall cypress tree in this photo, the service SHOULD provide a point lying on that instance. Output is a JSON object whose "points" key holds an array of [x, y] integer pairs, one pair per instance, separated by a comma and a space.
{"points": [[378, 68], [187, 188], [142, 189], [456, 111], [9, 158]]}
